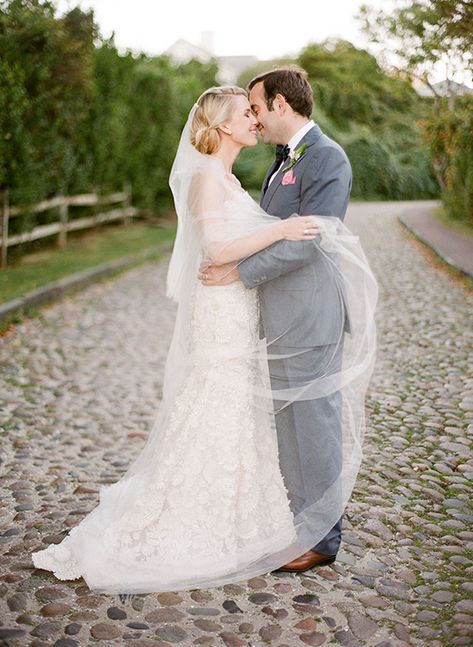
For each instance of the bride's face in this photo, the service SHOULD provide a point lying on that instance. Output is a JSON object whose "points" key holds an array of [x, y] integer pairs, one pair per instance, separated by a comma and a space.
{"points": [[242, 124]]}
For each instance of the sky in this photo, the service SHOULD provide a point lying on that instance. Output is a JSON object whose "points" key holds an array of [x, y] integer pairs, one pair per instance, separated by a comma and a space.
{"points": [[262, 28], [266, 29]]}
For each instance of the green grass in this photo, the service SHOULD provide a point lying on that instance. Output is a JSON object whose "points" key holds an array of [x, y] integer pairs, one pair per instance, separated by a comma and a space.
{"points": [[459, 226], [83, 251], [438, 262]]}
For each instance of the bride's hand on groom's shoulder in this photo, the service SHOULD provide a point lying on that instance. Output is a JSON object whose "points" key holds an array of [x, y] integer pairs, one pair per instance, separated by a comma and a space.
{"points": [[218, 274]]}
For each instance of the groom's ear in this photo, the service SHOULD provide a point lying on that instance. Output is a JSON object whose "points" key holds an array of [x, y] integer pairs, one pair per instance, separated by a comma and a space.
{"points": [[280, 104]]}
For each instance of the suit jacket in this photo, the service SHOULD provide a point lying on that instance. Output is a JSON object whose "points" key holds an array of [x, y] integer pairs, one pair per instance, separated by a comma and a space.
{"points": [[299, 301]]}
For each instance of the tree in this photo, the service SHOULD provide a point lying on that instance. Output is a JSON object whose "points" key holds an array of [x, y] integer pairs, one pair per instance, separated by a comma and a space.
{"points": [[78, 116], [349, 84], [374, 115], [48, 85], [423, 34]]}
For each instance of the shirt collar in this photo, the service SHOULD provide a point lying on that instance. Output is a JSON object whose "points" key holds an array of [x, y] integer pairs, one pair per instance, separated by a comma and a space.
{"points": [[296, 138]]}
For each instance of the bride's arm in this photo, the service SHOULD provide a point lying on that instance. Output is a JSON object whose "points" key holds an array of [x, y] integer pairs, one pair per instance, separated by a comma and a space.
{"points": [[325, 189], [207, 204], [295, 229]]}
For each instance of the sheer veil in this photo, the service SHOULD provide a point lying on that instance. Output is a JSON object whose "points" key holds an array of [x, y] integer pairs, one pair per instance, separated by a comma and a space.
{"points": [[213, 213], [208, 223]]}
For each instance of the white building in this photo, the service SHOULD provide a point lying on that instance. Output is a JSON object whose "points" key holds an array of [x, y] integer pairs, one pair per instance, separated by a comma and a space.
{"points": [[229, 67], [182, 51], [445, 88]]}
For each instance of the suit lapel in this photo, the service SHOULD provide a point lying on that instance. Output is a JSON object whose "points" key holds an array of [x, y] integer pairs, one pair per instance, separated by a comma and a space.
{"points": [[272, 188], [269, 172], [310, 138]]}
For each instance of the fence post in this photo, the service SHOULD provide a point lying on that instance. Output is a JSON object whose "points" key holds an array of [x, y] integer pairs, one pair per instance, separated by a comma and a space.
{"points": [[63, 215], [5, 217], [127, 201]]}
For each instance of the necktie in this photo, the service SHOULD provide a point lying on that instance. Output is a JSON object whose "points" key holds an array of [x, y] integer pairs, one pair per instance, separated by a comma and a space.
{"points": [[282, 153]]}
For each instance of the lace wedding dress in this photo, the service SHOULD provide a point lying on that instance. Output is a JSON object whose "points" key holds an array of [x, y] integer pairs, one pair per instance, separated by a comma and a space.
{"points": [[205, 503], [214, 500]]}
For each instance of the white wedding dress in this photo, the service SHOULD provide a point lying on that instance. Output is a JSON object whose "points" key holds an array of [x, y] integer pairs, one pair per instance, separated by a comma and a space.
{"points": [[214, 500], [205, 503]]}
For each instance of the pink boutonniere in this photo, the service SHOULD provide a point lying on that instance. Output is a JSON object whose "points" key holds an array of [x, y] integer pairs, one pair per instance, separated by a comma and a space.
{"points": [[288, 178]]}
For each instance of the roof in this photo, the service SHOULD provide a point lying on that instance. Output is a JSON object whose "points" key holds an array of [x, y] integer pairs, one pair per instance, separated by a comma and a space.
{"points": [[442, 88], [182, 51], [230, 67]]}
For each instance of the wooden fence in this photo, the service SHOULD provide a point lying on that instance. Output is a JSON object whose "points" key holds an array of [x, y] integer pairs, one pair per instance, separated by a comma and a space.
{"points": [[64, 225]]}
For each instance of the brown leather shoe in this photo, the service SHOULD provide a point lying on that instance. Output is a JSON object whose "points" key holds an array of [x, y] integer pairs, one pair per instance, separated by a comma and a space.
{"points": [[306, 561]]}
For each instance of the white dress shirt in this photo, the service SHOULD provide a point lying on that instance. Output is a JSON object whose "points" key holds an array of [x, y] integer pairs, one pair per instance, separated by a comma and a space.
{"points": [[292, 143]]}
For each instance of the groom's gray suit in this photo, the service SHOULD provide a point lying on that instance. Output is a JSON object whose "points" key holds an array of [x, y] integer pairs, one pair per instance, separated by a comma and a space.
{"points": [[296, 291]]}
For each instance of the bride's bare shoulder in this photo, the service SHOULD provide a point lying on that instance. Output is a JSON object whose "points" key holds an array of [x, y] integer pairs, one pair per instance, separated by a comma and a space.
{"points": [[208, 190], [207, 180], [233, 178]]}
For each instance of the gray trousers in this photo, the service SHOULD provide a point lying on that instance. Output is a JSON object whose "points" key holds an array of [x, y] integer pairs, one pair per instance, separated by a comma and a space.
{"points": [[309, 432]]}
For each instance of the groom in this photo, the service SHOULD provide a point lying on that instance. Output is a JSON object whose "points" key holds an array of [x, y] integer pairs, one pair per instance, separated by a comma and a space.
{"points": [[294, 282]]}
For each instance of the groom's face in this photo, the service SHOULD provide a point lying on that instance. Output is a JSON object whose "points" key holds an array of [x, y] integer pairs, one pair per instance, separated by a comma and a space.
{"points": [[268, 120]]}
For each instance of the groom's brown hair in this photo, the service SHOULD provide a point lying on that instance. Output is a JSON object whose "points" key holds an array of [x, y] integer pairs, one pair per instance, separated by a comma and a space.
{"points": [[292, 82]]}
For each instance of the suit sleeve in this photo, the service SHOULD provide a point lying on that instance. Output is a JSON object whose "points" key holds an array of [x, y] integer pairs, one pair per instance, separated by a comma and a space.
{"points": [[325, 188]]}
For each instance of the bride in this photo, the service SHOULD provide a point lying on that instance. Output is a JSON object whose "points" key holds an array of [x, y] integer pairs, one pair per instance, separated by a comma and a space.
{"points": [[205, 503]]}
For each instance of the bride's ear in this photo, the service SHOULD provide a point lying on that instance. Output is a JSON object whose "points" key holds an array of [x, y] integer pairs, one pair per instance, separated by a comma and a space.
{"points": [[225, 129]]}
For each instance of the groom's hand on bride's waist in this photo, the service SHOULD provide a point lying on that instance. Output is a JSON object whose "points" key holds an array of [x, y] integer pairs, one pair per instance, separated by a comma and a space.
{"points": [[218, 274]]}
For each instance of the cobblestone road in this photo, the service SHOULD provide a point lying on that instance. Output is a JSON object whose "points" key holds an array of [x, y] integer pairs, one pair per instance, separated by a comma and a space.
{"points": [[81, 385]]}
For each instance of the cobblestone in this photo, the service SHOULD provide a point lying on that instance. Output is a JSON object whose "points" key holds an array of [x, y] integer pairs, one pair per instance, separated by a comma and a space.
{"points": [[80, 386]]}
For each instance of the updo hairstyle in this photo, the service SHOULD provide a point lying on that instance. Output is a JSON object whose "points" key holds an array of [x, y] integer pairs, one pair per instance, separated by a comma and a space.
{"points": [[215, 106]]}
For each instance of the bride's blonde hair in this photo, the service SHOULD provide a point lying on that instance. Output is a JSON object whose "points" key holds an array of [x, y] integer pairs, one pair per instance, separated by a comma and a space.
{"points": [[215, 106]]}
